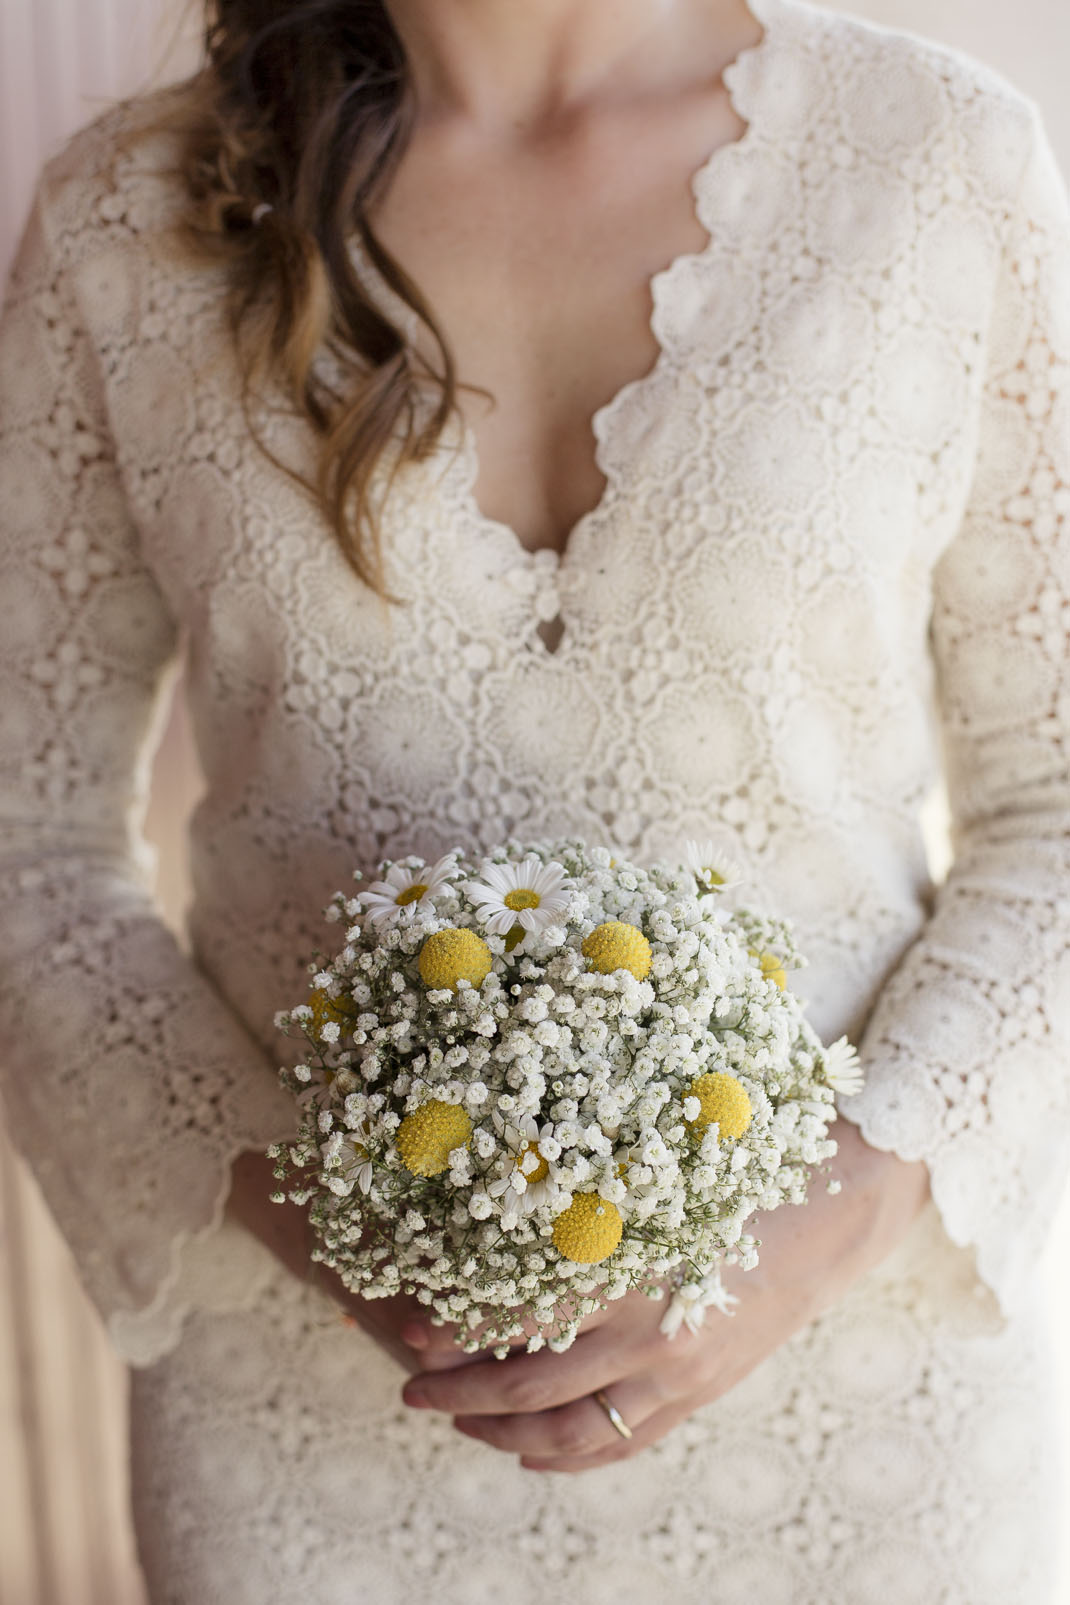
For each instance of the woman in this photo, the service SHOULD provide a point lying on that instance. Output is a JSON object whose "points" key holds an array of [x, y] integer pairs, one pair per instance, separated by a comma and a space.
{"points": [[345, 450]]}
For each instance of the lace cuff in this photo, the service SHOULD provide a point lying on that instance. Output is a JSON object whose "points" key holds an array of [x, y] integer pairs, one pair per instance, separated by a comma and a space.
{"points": [[130, 1087], [967, 1058]]}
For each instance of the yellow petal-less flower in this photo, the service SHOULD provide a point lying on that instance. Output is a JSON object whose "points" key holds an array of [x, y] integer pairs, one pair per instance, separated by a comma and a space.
{"points": [[428, 1136], [588, 1230], [724, 1099], [617, 946], [454, 955], [771, 967]]}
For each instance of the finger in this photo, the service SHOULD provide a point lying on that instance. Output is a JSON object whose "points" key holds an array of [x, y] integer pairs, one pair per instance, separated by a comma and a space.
{"points": [[386, 1332], [528, 1384], [420, 1333], [575, 1430], [440, 1346], [524, 1384], [651, 1431], [392, 1322], [449, 1361]]}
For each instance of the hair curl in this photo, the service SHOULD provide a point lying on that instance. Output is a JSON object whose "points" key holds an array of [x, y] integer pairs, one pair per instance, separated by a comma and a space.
{"points": [[291, 131]]}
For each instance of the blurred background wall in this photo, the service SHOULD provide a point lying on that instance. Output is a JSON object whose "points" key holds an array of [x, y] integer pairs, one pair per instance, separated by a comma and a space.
{"points": [[64, 1536]]}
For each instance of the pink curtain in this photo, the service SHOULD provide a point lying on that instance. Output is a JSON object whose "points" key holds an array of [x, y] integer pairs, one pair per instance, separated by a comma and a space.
{"points": [[64, 1530]]}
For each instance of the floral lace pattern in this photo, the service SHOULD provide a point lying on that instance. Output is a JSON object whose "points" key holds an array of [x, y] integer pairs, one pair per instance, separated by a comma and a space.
{"points": [[895, 1453], [832, 545]]}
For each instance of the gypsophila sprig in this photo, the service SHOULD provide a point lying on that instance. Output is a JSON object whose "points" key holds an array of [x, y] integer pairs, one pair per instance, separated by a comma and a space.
{"points": [[533, 1082]]}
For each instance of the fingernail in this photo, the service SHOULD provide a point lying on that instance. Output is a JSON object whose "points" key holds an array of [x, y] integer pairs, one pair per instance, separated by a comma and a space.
{"points": [[415, 1398], [416, 1336]]}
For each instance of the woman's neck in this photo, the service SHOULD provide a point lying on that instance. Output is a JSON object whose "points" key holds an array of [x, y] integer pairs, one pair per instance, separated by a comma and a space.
{"points": [[527, 65]]}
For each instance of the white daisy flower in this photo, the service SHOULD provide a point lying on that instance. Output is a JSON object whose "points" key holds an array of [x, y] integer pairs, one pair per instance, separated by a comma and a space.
{"points": [[530, 895], [525, 1184], [406, 891], [712, 868], [355, 1163], [689, 1304], [843, 1072]]}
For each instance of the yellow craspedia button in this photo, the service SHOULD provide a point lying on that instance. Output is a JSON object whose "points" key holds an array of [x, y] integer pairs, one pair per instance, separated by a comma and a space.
{"points": [[453, 955], [428, 1136], [771, 967], [617, 946], [588, 1230], [340, 1011], [722, 1098]]}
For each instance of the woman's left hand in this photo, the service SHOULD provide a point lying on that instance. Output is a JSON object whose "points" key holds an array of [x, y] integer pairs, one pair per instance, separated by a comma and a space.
{"points": [[541, 1406]]}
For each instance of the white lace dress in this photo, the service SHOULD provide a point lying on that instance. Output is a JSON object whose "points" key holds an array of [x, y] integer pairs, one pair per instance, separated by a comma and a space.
{"points": [[832, 556]]}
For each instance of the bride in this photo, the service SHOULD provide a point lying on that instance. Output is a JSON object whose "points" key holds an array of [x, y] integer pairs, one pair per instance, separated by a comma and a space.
{"points": [[634, 419]]}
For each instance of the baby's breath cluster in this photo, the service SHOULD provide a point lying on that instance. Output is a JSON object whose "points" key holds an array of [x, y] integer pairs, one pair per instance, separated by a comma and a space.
{"points": [[533, 1083]]}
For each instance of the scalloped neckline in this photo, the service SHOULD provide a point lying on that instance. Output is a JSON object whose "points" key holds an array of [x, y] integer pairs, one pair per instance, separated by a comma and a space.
{"points": [[763, 12]]}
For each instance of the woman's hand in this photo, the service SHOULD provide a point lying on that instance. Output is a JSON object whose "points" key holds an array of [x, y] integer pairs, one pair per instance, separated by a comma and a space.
{"points": [[285, 1230], [540, 1406]]}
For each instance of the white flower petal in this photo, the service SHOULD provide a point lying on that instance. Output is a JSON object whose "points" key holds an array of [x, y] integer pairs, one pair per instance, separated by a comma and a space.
{"points": [[711, 867], [843, 1071]]}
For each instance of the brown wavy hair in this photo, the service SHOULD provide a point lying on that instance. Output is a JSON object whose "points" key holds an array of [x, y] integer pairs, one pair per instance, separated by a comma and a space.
{"points": [[291, 131]]}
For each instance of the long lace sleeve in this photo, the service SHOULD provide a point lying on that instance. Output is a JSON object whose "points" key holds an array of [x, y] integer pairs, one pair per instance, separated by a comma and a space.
{"points": [[968, 1050], [128, 1083]]}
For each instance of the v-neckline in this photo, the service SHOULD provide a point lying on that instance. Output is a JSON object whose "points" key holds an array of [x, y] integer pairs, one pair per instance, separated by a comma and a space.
{"points": [[763, 12]]}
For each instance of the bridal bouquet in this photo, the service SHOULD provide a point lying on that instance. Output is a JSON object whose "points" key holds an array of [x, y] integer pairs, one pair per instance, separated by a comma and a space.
{"points": [[534, 1082]]}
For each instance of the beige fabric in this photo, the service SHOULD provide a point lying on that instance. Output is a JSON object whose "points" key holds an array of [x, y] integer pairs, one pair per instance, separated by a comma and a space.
{"points": [[56, 1539]]}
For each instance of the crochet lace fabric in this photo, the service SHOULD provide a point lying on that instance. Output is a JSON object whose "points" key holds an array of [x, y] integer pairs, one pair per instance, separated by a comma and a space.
{"points": [[831, 560]]}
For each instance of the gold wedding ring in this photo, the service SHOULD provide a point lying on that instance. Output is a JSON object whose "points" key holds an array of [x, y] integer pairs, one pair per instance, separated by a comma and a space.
{"points": [[618, 1422]]}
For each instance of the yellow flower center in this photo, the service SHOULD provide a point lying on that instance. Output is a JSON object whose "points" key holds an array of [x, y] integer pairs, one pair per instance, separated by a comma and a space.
{"points": [[588, 1230], [411, 894], [521, 898], [428, 1136], [712, 877], [771, 967], [454, 955], [616, 946], [540, 1171], [340, 1011], [723, 1099]]}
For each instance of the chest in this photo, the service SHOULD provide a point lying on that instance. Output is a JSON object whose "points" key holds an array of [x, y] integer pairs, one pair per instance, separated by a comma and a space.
{"points": [[538, 268]]}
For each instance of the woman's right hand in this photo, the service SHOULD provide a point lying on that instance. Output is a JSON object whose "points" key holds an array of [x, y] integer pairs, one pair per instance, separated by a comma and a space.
{"points": [[285, 1230]]}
